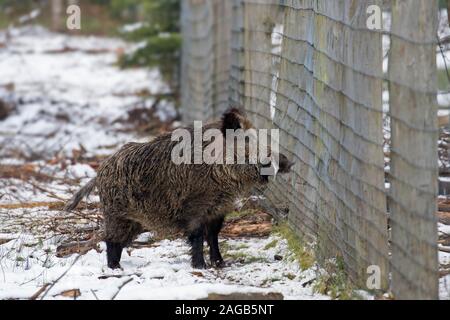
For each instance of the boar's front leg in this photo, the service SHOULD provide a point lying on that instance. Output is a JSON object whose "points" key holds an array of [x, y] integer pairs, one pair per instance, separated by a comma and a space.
{"points": [[212, 236], [119, 233], [196, 241], [113, 254]]}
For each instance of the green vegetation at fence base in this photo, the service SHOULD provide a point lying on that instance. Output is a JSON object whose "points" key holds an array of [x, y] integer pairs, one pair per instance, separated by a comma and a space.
{"points": [[331, 280], [334, 281], [303, 254], [234, 253], [271, 244]]}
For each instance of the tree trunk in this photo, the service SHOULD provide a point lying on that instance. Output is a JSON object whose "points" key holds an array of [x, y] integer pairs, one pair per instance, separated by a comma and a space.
{"points": [[57, 14]]}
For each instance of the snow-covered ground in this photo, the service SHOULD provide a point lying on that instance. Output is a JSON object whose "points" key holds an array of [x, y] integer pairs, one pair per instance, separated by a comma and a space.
{"points": [[69, 91], [444, 260], [160, 272], [69, 96]]}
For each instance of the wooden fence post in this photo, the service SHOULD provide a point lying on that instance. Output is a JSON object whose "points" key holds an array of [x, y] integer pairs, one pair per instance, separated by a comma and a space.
{"points": [[414, 164]]}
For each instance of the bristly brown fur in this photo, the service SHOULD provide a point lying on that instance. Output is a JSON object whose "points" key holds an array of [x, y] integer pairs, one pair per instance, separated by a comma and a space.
{"points": [[141, 187]]}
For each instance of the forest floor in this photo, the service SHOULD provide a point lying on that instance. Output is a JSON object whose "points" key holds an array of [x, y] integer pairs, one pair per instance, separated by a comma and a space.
{"points": [[66, 106]]}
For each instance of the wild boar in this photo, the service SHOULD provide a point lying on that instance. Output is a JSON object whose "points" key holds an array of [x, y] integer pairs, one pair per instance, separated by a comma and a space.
{"points": [[141, 188]]}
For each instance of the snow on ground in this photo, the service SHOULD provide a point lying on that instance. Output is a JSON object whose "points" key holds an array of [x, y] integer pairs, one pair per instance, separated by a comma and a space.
{"points": [[444, 228], [67, 89], [444, 260], [443, 32], [444, 288], [69, 95], [57, 187], [160, 272]]}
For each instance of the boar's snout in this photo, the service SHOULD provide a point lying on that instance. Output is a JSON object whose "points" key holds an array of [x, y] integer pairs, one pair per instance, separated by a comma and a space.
{"points": [[282, 166], [285, 164]]}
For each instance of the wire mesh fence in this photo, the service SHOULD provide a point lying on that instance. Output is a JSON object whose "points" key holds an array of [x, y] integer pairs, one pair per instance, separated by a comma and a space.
{"points": [[206, 62], [356, 108]]}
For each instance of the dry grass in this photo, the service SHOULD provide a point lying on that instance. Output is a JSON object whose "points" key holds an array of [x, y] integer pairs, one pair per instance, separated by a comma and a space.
{"points": [[52, 205], [23, 172]]}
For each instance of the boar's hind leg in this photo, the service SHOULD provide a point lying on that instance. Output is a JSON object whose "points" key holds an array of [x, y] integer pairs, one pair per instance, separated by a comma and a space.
{"points": [[212, 236], [119, 233], [196, 241]]}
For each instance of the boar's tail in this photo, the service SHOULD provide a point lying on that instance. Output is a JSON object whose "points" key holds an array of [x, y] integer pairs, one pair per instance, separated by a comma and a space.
{"points": [[83, 192]]}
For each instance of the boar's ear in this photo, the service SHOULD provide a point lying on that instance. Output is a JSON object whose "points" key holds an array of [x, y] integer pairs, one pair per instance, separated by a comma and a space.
{"points": [[231, 119]]}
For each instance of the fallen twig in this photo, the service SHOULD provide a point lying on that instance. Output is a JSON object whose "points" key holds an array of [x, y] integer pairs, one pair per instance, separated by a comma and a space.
{"points": [[95, 296], [120, 287], [80, 247], [38, 293], [27, 205], [444, 249], [60, 277]]}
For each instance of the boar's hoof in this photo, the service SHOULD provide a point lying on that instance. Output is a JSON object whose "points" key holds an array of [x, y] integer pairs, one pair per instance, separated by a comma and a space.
{"points": [[198, 264], [114, 265], [219, 264]]}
